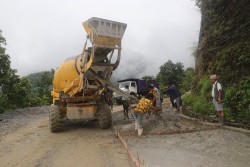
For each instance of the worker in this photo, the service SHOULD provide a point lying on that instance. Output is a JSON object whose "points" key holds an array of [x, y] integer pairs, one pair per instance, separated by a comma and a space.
{"points": [[153, 92], [174, 95], [108, 98], [125, 103], [142, 107], [157, 96], [156, 99]]}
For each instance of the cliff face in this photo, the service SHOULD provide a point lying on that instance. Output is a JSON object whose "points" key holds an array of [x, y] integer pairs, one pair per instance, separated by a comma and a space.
{"points": [[224, 43]]}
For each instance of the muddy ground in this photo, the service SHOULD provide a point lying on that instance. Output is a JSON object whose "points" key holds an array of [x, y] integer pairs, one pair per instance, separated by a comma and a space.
{"points": [[215, 148], [169, 140], [178, 142], [168, 122]]}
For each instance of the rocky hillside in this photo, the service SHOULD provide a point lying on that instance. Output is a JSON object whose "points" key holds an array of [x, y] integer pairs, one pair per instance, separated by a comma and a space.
{"points": [[224, 49], [224, 43]]}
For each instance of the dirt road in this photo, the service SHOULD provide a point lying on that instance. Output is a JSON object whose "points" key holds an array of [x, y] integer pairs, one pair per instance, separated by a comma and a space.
{"points": [[26, 141]]}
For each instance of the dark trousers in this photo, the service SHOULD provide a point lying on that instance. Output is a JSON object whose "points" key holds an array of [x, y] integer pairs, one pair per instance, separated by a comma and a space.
{"points": [[125, 108]]}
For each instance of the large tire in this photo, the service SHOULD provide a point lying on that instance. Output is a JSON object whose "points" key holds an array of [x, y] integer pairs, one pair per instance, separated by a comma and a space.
{"points": [[104, 117], [55, 119]]}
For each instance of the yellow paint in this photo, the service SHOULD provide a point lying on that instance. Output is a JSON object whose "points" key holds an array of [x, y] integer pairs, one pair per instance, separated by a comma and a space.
{"points": [[69, 77], [66, 78]]}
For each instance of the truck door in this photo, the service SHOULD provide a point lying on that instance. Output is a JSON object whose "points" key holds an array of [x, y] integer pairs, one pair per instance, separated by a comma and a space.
{"points": [[133, 87]]}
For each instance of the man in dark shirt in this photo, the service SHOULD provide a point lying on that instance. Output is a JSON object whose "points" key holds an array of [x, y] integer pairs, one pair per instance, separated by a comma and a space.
{"points": [[125, 103], [174, 95]]}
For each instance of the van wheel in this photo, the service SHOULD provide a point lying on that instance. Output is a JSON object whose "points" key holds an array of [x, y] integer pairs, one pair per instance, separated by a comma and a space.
{"points": [[55, 120], [104, 116]]}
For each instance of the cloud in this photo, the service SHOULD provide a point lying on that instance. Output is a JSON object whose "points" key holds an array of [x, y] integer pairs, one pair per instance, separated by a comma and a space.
{"points": [[133, 66], [42, 34]]}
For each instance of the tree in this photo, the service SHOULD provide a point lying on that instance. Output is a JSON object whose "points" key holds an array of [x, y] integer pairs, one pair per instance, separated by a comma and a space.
{"points": [[170, 72], [5, 71], [188, 79], [44, 84], [14, 92], [4, 61], [23, 94]]}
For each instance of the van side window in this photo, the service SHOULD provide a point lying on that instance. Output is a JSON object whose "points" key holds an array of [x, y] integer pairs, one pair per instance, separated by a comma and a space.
{"points": [[133, 84]]}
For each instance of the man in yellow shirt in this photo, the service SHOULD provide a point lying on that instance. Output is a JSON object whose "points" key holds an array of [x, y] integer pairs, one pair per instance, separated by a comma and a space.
{"points": [[142, 107], [156, 94]]}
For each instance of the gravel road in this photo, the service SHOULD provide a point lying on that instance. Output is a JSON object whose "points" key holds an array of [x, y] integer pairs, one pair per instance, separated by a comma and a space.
{"points": [[26, 141]]}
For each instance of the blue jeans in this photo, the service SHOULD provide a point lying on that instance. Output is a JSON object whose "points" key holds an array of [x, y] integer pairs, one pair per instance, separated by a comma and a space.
{"points": [[138, 118]]}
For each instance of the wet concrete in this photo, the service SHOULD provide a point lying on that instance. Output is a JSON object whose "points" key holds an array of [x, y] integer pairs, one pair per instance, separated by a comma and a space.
{"points": [[172, 140]]}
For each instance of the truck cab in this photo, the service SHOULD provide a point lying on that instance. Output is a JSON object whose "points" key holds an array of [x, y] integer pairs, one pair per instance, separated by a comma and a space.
{"points": [[132, 86], [136, 86]]}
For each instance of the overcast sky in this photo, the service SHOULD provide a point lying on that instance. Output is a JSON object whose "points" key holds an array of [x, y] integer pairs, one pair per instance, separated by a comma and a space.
{"points": [[41, 34]]}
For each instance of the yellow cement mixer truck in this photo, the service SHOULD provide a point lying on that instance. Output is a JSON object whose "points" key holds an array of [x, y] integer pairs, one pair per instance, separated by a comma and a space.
{"points": [[80, 83]]}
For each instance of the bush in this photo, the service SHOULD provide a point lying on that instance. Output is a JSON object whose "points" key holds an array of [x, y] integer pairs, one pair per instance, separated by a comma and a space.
{"points": [[35, 101], [199, 104], [236, 102]]}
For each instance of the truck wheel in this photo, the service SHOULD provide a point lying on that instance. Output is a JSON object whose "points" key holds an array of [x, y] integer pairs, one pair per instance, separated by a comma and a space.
{"points": [[55, 120], [104, 117]]}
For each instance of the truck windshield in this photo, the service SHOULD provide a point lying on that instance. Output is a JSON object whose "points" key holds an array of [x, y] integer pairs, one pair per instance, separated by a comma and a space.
{"points": [[123, 84]]}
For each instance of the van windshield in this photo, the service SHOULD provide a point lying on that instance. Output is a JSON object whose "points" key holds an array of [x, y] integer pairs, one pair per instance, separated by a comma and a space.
{"points": [[123, 84]]}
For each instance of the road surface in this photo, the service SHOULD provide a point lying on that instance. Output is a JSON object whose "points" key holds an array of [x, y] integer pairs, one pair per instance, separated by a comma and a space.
{"points": [[26, 141]]}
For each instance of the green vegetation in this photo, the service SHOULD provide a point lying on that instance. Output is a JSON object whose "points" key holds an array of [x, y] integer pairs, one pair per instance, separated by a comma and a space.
{"points": [[224, 49], [13, 90], [19, 92], [41, 84], [175, 74], [201, 100], [170, 72], [236, 100]]}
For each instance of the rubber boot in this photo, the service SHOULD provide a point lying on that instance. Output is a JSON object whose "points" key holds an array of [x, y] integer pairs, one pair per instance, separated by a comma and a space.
{"points": [[140, 131], [136, 127], [126, 115]]}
